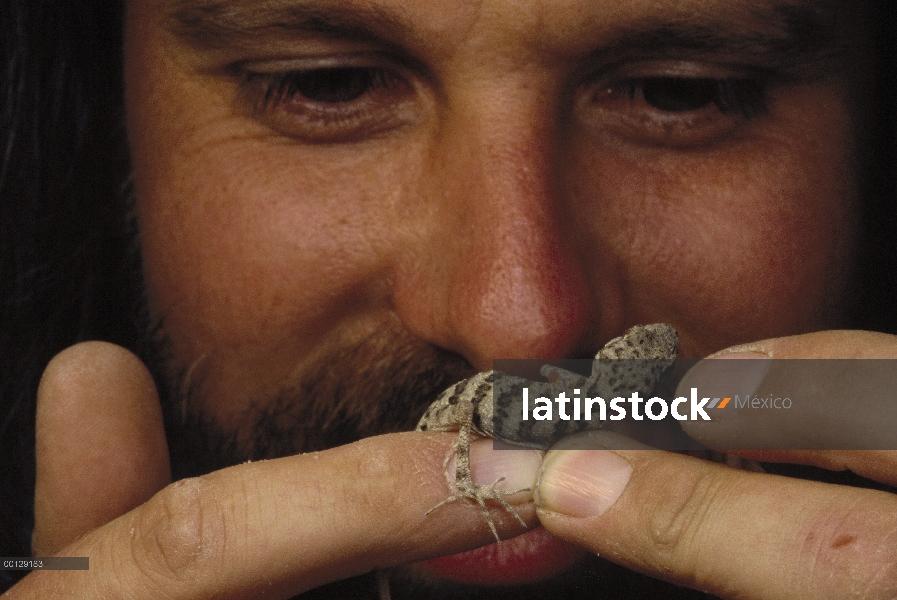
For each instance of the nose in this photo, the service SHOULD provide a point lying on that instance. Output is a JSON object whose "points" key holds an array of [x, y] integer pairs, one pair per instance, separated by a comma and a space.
{"points": [[494, 275]]}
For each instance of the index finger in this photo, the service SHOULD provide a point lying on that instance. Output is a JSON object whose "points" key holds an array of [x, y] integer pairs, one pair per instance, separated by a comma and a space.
{"points": [[282, 526], [834, 414]]}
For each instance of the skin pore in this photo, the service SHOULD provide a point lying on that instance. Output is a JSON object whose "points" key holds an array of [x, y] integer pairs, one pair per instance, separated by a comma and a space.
{"points": [[345, 207]]}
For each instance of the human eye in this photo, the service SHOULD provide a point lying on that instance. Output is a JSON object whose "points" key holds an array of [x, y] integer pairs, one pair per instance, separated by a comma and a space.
{"points": [[683, 108], [328, 103]]}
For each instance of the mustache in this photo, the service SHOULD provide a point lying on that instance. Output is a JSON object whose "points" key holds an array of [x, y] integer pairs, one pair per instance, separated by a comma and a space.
{"points": [[382, 383]]}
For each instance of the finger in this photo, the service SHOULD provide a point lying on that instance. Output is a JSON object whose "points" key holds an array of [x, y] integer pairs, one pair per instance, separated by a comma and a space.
{"points": [[813, 412], [100, 443], [732, 533], [279, 527]]}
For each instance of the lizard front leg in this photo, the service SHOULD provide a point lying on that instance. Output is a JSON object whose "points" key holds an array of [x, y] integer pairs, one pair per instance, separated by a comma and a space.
{"points": [[457, 409]]}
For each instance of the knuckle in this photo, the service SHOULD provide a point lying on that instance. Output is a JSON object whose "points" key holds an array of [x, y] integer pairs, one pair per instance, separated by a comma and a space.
{"points": [[680, 519], [685, 527], [182, 533]]}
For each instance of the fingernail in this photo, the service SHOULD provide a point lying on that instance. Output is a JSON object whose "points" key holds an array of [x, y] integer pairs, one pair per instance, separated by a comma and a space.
{"points": [[581, 483], [726, 375], [518, 467]]}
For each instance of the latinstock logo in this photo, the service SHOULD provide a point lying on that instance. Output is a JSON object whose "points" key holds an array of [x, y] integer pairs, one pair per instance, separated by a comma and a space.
{"points": [[616, 409]]}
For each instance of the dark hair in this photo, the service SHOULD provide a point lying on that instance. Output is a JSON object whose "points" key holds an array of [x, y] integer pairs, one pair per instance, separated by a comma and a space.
{"points": [[876, 277], [66, 273], [63, 239]]}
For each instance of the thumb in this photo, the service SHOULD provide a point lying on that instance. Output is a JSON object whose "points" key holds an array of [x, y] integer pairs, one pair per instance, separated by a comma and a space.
{"points": [[732, 533], [99, 443]]}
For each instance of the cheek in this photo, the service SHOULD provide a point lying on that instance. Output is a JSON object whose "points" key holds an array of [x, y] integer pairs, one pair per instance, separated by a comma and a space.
{"points": [[764, 255], [246, 248], [735, 244]]}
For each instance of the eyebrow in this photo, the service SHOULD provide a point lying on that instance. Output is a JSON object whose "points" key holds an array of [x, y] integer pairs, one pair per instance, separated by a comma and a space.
{"points": [[796, 38], [789, 38], [219, 24]]}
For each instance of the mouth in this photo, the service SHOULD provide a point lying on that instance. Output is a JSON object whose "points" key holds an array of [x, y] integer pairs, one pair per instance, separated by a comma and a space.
{"points": [[527, 558]]}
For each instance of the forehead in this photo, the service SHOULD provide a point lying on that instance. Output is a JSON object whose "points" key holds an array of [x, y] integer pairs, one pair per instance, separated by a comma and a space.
{"points": [[545, 27]]}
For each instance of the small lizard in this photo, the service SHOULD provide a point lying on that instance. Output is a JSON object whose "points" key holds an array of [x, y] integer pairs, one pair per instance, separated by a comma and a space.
{"points": [[489, 406]]}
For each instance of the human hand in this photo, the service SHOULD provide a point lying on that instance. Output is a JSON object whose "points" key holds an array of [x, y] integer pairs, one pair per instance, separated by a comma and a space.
{"points": [[273, 528], [734, 533]]}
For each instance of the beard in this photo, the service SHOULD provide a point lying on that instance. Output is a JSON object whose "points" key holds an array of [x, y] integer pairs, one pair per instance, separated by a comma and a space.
{"points": [[380, 384]]}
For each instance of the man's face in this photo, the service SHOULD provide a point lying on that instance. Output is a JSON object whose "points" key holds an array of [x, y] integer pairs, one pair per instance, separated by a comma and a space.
{"points": [[419, 181]]}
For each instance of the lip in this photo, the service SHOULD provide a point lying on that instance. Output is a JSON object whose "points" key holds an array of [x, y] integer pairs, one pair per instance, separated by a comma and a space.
{"points": [[532, 556]]}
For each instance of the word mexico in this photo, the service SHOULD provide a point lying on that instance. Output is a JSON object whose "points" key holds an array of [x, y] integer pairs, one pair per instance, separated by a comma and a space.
{"points": [[587, 409]]}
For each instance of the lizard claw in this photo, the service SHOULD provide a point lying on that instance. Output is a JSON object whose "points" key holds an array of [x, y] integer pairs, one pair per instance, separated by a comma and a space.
{"points": [[479, 493]]}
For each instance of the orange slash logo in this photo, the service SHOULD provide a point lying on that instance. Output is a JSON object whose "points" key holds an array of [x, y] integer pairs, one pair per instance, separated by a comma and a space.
{"points": [[716, 401]]}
